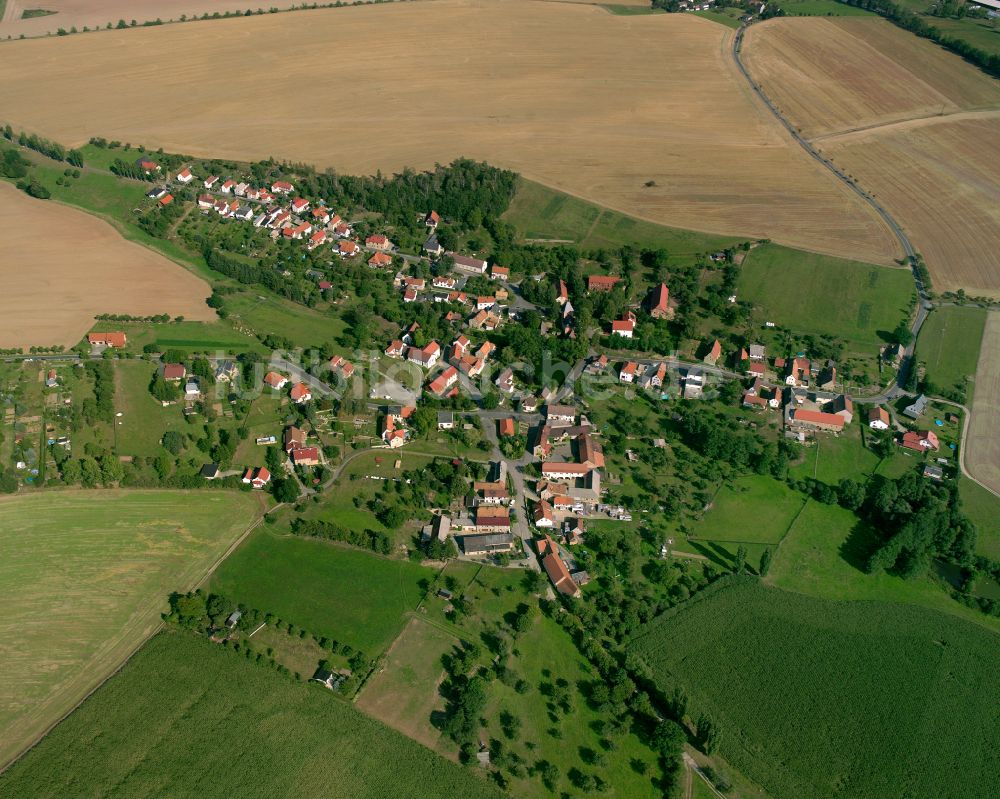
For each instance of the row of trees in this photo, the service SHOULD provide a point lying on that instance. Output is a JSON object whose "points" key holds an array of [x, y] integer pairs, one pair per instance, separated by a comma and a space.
{"points": [[367, 539], [915, 23], [46, 147]]}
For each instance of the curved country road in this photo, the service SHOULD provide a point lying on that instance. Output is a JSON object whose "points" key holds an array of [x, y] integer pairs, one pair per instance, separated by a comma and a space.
{"points": [[925, 305]]}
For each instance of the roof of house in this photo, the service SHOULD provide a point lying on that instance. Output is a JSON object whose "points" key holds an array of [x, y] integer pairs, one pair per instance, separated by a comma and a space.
{"points": [[305, 454], [561, 467], [274, 379], [380, 259], [555, 567], [113, 339], [630, 368], [492, 515], [543, 511], [507, 427], [622, 326], [441, 382], [817, 417], [300, 391], [174, 371], [468, 261], [658, 298], [602, 282]]}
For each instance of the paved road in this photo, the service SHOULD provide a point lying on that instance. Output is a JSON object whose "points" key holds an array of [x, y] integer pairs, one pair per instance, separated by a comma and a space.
{"points": [[519, 526], [924, 304]]}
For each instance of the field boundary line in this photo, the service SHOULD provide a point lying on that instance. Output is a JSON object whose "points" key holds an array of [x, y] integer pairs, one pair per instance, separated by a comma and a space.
{"points": [[839, 136], [157, 628]]}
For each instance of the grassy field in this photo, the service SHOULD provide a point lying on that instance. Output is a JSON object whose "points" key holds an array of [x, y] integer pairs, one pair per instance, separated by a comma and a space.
{"points": [[832, 458], [949, 345], [186, 718], [824, 553], [822, 8], [541, 213], [351, 596], [679, 161], [266, 313], [984, 509], [795, 290], [404, 694], [753, 509], [83, 578], [982, 453], [185, 336], [730, 17], [836, 699]]}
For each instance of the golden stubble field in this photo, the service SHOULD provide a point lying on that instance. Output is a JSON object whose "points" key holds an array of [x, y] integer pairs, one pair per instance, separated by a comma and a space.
{"points": [[982, 456], [60, 267], [569, 95], [98, 13], [923, 137]]}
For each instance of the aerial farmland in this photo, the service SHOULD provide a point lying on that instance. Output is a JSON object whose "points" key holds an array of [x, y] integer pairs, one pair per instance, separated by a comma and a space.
{"points": [[501, 398]]}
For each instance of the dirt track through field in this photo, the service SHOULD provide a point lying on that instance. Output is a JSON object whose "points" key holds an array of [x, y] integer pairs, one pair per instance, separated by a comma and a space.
{"points": [[60, 267], [643, 114], [924, 138], [982, 445]]}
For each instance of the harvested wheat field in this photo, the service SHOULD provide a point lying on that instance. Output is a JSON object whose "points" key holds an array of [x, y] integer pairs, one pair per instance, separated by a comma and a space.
{"points": [[821, 74], [982, 455], [98, 13], [941, 179], [61, 267], [924, 137], [595, 104]]}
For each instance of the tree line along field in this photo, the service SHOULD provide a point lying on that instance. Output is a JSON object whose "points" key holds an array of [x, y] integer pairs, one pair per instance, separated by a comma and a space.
{"points": [[823, 555], [187, 718], [83, 579], [816, 69], [923, 139], [703, 155], [95, 14], [807, 692]]}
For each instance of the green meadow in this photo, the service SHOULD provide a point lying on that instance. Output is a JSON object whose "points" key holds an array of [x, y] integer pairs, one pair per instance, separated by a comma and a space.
{"points": [[545, 214], [836, 699], [349, 595], [187, 718], [826, 296]]}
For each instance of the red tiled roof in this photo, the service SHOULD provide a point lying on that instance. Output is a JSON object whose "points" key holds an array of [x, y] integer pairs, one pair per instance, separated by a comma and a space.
{"points": [[305, 454], [113, 339], [817, 417], [602, 282]]}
